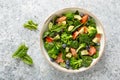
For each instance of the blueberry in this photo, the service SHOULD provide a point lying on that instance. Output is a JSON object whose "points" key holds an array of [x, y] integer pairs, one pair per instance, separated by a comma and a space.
{"points": [[67, 66], [52, 59], [64, 45], [87, 47], [68, 62]]}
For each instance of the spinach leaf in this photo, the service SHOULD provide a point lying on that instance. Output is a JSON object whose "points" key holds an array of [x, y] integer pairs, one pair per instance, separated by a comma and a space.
{"points": [[69, 15], [27, 59], [57, 28], [46, 33], [91, 22], [76, 27], [95, 55]]}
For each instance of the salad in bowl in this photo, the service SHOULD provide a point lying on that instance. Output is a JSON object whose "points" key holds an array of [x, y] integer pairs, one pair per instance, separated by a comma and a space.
{"points": [[72, 40]]}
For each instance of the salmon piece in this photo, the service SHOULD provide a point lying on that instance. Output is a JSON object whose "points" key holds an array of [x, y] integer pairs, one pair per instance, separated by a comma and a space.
{"points": [[61, 19], [84, 19], [59, 58], [92, 50], [73, 51]]}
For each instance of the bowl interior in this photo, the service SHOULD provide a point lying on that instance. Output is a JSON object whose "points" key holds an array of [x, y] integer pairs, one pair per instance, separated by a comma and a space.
{"points": [[99, 28]]}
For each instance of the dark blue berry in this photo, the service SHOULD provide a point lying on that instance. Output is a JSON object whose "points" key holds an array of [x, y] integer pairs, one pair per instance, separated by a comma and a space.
{"points": [[64, 45], [67, 62], [52, 59], [67, 66], [87, 47]]}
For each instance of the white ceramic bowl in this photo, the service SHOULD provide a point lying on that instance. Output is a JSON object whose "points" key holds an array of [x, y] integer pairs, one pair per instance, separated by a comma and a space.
{"points": [[99, 28]]}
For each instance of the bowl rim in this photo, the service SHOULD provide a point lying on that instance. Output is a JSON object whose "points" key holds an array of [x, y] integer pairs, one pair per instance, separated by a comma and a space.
{"points": [[67, 70]]}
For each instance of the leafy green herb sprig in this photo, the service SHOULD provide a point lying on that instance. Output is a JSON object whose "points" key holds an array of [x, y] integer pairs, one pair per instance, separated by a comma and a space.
{"points": [[21, 53], [31, 25]]}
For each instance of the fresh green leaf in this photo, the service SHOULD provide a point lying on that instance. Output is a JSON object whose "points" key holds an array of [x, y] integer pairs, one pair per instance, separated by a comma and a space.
{"points": [[48, 46], [92, 32], [45, 34], [76, 27], [27, 59], [21, 51], [31, 25], [91, 22], [57, 28], [95, 55], [69, 15], [77, 23], [53, 52]]}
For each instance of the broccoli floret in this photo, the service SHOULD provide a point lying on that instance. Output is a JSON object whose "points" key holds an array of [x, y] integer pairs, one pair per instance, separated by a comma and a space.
{"points": [[65, 37], [52, 49], [92, 32], [48, 46], [84, 38], [74, 44], [53, 52], [82, 45], [75, 64], [69, 15], [87, 60]]}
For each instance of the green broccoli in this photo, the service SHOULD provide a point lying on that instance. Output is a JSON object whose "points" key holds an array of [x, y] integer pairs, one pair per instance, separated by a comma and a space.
{"points": [[87, 60], [82, 45], [48, 46], [91, 22], [74, 44], [75, 64], [92, 32], [53, 52], [84, 38], [52, 49], [65, 37]]}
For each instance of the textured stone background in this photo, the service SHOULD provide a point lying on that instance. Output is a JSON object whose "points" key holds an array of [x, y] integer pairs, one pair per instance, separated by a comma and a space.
{"points": [[13, 13]]}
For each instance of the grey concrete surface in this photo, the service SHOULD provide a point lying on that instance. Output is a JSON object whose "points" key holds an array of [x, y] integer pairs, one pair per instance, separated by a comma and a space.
{"points": [[13, 13]]}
